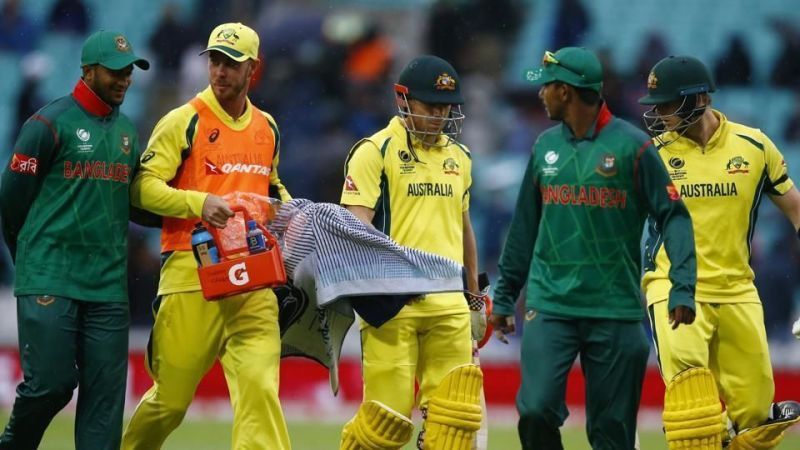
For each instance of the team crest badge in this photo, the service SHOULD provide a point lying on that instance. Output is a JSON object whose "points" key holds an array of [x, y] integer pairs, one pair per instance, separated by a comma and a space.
{"points": [[45, 300], [450, 166], [125, 145], [652, 81], [228, 35], [607, 166], [122, 44], [445, 82], [737, 164], [551, 157]]}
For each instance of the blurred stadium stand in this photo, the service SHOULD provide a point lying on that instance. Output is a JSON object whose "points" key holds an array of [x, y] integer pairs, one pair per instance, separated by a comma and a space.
{"points": [[325, 94]]}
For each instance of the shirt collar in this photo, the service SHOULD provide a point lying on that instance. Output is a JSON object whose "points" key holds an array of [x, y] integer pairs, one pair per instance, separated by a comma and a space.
{"points": [[88, 100], [399, 128], [684, 142], [603, 118]]}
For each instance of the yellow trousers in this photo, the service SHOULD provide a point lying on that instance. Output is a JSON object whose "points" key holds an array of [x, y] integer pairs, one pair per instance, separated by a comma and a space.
{"points": [[188, 336], [407, 349], [729, 339]]}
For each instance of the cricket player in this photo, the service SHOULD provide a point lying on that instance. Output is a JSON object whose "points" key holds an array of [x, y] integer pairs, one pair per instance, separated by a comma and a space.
{"points": [[217, 143], [65, 205], [574, 238], [412, 181], [721, 169]]}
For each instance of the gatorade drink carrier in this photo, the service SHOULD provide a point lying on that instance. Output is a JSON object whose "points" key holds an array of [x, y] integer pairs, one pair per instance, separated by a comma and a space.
{"points": [[238, 271]]}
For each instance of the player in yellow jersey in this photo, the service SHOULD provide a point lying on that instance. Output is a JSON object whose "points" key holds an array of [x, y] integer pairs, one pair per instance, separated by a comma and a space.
{"points": [[721, 169], [411, 180], [216, 143]]}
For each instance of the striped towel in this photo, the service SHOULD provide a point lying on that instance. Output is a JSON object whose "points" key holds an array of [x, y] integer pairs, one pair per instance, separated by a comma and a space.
{"points": [[336, 265]]}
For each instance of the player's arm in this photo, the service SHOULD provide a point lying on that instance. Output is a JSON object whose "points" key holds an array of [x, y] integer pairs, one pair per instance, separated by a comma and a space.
{"points": [[30, 162], [362, 184], [276, 187], [172, 137], [470, 254], [789, 204], [140, 216], [779, 186], [664, 204], [470, 246], [362, 213], [515, 260]]}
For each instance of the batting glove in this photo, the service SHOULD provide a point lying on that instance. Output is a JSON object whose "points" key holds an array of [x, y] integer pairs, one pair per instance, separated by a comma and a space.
{"points": [[480, 307]]}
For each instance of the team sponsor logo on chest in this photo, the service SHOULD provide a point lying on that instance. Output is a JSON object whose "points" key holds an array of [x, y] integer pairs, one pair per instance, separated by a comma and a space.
{"points": [[551, 157], [84, 146], [430, 190], [236, 164]]}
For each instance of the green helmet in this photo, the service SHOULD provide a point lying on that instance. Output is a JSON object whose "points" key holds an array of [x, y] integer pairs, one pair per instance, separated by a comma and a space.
{"points": [[673, 79], [677, 76], [431, 80]]}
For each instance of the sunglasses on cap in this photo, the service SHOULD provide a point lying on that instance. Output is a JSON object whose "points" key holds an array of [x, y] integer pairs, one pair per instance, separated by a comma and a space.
{"points": [[550, 58]]}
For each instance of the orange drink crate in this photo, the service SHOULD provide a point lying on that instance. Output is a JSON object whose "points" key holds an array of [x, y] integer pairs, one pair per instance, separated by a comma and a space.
{"points": [[238, 271]]}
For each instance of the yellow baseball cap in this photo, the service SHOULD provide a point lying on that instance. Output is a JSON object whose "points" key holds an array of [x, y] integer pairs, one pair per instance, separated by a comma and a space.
{"points": [[236, 40]]}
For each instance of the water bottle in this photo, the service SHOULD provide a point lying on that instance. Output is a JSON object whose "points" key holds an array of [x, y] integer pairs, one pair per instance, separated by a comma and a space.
{"points": [[203, 246], [255, 238]]}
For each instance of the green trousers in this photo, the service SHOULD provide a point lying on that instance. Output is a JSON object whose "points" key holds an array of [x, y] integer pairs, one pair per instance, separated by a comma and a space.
{"points": [[64, 344], [613, 357]]}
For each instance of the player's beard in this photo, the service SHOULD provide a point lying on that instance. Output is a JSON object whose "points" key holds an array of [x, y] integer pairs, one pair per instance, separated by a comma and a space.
{"points": [[230, 92]]}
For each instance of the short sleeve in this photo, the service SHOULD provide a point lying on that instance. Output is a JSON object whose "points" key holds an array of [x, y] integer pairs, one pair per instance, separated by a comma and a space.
{"points": [[778, 181], [363, 171]]}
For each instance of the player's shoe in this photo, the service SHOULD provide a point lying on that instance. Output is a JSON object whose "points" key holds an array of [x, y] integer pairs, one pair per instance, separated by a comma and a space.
{"points": [[785, 411]]}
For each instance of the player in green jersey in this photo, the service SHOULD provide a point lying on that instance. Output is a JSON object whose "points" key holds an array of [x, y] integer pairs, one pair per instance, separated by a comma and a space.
{"points": [[64, 204], [574, 238], [722, 169]]}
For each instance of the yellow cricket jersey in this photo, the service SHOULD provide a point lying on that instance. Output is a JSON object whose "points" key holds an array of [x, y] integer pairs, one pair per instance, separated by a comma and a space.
{"points": [[171, 140], [721, 185], [419, 195]]}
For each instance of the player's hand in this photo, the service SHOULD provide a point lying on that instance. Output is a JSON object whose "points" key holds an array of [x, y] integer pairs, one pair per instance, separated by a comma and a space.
{"points": [[681, 315], [216, 211], [480, 307], [796, 329], [502, 325]]}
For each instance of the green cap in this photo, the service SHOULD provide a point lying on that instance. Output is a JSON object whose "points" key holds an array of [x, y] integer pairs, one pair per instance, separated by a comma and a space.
{"points": [[575, 66], [111, 50], [430, 79], [677, 76]]}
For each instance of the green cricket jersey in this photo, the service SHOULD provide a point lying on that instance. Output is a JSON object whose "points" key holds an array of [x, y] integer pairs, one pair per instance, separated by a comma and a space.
{"points": [[578, 223], [64, 199]]}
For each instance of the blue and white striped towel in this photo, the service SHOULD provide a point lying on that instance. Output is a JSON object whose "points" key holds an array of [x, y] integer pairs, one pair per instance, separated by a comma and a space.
{"points": [[338, 264]]}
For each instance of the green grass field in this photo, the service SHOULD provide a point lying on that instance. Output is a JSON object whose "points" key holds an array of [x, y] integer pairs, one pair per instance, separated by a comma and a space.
{"points": [[215, 435]]}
